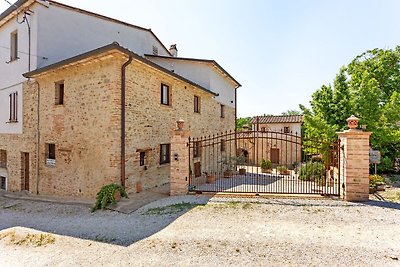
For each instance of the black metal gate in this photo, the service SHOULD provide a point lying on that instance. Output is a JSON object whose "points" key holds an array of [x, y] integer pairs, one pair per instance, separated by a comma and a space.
{"points": [[264, 162]]}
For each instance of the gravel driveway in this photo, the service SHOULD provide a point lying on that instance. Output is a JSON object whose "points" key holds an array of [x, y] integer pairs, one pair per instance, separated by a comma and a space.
{"points": [[199, 231]]}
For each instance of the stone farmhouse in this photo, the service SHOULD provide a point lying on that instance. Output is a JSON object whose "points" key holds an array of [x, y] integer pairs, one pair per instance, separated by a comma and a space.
{"points": [[282, 135], [87, 100]]}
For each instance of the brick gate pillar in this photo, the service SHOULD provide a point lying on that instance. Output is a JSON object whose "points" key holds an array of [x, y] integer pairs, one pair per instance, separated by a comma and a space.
{"points": [[354, 162], [179, 181]]}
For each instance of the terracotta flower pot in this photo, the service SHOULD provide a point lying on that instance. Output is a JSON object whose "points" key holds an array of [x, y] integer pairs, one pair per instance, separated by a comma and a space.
{"points": [[117, 195], [210, 178], [242, 171]]}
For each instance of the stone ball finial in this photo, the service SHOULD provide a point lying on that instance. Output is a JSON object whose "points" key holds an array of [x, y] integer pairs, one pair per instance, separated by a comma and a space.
{"points": [[352, 122], [179, 124]]}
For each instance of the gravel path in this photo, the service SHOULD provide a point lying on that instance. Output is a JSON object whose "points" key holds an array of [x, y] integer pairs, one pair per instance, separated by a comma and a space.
{"points": [[272, 232]]}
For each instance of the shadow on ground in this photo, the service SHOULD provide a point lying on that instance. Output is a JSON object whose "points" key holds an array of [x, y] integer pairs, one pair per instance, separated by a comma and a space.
{"points": [[106, 226]]}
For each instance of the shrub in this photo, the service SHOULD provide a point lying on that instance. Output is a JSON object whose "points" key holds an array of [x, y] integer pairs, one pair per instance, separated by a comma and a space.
{"points": [[375, 180], [106, 195], [313, 171], [266, 164], [282, 169]]}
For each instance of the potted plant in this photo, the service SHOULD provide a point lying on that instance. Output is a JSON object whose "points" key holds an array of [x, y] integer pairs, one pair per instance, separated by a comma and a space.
{"points": [[241, 160], [210, 178], [266, 166], [283, 170], [109, 194], [228, 163]]}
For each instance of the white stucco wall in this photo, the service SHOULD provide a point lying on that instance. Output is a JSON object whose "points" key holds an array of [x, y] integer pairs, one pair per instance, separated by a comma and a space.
{"points": [[64, 33], [11, 72], [278, 127], [203, 74]]}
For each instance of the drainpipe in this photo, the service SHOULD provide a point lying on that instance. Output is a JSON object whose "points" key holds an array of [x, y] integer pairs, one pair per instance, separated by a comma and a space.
{"points": [[123, 70], [37, 137]]}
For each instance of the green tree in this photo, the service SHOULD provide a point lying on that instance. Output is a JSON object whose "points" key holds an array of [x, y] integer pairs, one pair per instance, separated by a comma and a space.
{"points": [[292, 112], [369, 87], [240, 122]]}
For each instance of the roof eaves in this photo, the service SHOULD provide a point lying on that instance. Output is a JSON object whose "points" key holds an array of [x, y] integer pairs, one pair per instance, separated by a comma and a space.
{"points": [[9, 11], [200, 60], [106, 48]]}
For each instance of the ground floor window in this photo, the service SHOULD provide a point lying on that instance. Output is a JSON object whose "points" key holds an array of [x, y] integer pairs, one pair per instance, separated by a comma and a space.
{"points": [[50, 154], [3, 182], [165, 153]]}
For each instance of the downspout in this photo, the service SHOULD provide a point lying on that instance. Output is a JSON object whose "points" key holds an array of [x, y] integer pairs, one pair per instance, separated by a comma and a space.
{"points": [[123, 133], [37, 137]]}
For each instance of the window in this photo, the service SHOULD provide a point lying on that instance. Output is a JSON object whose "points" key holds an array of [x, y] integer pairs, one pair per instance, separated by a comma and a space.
{"points": [[222, 111], [13, 99], [263, 129], [197, 149], [165, 99], [3, 182], [155, 50], [223, 145], [59, 93], [14, 46], [50, 154], [141, 158], [3, 158], [165, 153], [196, 103], [286, 129]]}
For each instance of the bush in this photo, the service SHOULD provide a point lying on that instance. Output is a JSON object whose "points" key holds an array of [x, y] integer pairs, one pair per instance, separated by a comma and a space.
{"points": [[375, 180], [266, 164], [106, 195], [282, 169], [312, 171]]}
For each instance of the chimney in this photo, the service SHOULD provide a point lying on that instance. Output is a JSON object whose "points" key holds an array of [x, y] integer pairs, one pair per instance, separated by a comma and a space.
{"points": [[173, 50]]}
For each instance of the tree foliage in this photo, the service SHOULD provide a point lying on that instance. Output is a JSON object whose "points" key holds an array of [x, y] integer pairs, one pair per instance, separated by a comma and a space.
{"points": [[240, 122], [369, 88], [291, 112]]}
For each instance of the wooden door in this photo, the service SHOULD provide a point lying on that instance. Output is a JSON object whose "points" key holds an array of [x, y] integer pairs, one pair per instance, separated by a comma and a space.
{"points": [[275, 155], [25, 170]]}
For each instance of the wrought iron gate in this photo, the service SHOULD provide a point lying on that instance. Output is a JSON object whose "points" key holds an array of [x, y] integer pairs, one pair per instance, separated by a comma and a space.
{"points": [[264, 162]]}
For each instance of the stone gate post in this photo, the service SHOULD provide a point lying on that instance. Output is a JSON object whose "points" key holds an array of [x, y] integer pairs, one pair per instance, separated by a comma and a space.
{"points": [[354, 162], [179, 174]]}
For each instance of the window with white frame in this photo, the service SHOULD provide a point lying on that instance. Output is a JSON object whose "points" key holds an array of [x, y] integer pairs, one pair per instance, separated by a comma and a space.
{"points": [[14, 46], [13, 110]]}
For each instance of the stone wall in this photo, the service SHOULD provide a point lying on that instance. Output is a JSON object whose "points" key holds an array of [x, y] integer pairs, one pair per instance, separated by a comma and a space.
{"points": [[86, 129], [149, 123]]}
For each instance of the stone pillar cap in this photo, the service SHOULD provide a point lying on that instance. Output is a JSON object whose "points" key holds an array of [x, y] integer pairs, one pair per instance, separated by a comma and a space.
{"points": [[352, 122]]}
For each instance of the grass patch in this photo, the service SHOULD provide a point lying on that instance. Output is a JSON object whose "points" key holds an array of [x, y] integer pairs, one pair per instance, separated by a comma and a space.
{"points": [[36, 240], [172, 209]]}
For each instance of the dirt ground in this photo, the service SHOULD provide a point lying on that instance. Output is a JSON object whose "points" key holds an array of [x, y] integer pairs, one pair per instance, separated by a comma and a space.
{"points": [[202, 231]]}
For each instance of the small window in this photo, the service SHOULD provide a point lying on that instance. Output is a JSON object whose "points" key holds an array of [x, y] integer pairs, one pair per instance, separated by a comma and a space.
{"points": [[155, 50], [196, 103], [13, 111], [165, 95], [197, 149], [3, 182], [59, 93], [286, 129], [263, 129], [141, 158], [222, 111], [3, 158], [165, 153], [223, 145], [50, 154], [14, 46]]}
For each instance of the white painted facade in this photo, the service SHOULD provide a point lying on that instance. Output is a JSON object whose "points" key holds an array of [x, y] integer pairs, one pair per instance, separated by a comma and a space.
{"points": [[59, 32], [294, 127], [203, 73]]}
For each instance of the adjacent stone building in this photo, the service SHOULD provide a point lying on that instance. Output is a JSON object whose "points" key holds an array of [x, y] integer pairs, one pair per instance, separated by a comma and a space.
{"points": [[93, 112]]}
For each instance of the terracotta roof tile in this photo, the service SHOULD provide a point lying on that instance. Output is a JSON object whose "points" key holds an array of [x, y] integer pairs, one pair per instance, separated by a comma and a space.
{"points": [[278, 119]]}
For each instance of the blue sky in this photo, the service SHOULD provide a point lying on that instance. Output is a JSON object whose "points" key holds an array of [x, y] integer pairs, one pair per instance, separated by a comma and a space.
{"points": [[280, 51]]}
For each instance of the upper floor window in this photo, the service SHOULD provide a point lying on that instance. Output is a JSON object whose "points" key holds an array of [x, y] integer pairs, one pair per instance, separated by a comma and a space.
{"points": [[13, 112], [222, 111], [155, 50], [165, 95], [197, 149], [286, 129], [263, 129], [196, 103], [3, 158], [14, 46], [142, 157], [59, 99], [165, 153]]}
